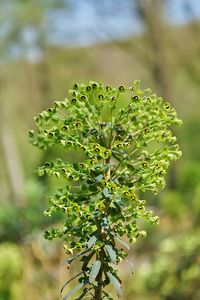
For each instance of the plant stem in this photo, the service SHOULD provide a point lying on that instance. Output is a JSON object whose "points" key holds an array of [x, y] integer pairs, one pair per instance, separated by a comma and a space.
{"points": [[98, 289]]}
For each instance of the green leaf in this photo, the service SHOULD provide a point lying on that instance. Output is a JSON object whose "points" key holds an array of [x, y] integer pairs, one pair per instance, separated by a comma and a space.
{"points": [[72, 291], [115, 283], [106, 193], [91, 242], [68, 281], [99, 178], [111, 253], [94, 271], [86, 260]]}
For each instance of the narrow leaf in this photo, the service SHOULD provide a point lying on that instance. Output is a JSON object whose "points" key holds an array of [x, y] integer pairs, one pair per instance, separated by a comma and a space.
{"points": [[122, 243], [68, 281], [70, 260], [111, 253], [72, 291], [94, 271], [131, 265], [115, 283], [86, 260], [106, 193], [91, 242], [99, 178]]}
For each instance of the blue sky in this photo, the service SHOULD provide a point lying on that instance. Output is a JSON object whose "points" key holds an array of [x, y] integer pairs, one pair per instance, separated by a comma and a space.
{"points": [[82, 26]]}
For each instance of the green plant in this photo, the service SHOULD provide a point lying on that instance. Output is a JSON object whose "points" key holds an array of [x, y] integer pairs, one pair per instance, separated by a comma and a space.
{"points": [[11, 268], [118, 157]]}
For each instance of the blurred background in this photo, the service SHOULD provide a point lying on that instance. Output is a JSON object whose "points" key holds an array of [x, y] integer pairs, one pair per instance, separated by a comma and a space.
{"points": [[45, 46]]}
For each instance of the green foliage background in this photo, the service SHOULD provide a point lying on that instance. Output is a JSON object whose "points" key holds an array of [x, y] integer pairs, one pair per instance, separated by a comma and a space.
{"points": [[167, 262]]}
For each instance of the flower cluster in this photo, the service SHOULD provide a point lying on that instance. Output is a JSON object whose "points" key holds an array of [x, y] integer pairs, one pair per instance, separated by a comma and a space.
{"points": [[122, 152]]}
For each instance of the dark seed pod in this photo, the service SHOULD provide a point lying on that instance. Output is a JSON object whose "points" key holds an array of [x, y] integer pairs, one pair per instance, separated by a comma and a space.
{"points": [[88, 88], [69, 143], [106, 152], [97, 149], [100, 96], [94, 86], [119, 145], [78, 124], [50, 134], [135, 98], [62, 171], [122, 88], [167, 106], [83, 148], [146, 130], [113, 98], [145, 165], [65, 127], [83, 97], [108, 88], [50, 110], [73, 100], [141, 207], [126, 194], [113, 188], [47, 164], [96, 146], [93, 161], [127, 144], [82, 165], [75, 87]]}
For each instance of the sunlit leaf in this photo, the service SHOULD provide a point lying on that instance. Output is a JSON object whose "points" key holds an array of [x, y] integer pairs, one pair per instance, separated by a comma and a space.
{"points": [[91, 242], [111, 253], [72, 291], [115, 283], [94, 271]]}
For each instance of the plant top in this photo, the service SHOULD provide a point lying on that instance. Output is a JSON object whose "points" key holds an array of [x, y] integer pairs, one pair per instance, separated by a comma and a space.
{"points": [[121, 152]]}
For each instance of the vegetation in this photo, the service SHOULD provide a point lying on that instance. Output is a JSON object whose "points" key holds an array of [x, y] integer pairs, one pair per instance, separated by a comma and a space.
{"points": [[35, 71], [124, 154]]}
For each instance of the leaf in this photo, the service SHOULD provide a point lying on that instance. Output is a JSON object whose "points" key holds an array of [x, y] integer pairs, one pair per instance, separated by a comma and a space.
{"points": [[122, 243], [72, 291], [99, 178], [94, 271], [68, 281], [70, 260], [91, 242], [111, 253], [86, 260], [115, 283], [106, 193]]}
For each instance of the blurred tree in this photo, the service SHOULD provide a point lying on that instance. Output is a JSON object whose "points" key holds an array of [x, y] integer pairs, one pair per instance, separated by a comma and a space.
{"points": [[24, 32]]}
